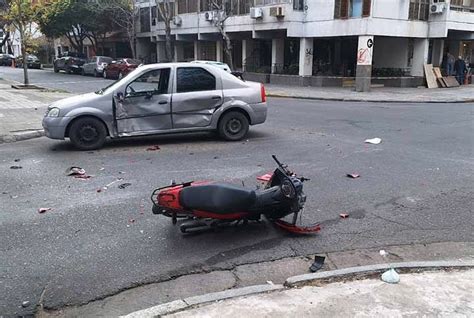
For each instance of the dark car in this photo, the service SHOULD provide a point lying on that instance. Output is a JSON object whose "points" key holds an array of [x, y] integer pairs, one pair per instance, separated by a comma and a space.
{"points": [[120, 68], [6, 59], [31, 61], [70, 62]]}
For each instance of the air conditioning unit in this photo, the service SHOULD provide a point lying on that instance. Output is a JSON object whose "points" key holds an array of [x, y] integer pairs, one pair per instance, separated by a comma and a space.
{"points": [[437, 8], [256, 13], [177, 20], [278, 12], [209, 16]]}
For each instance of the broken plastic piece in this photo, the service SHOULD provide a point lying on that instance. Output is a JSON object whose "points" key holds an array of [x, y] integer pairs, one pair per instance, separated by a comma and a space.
{"points": [[298, 229], [124, 185], [344, 215], [317, 264], [374, 141], [16, 167], [353, 175], [153, 148], [391, 276], [74, 171], [42, 210]]}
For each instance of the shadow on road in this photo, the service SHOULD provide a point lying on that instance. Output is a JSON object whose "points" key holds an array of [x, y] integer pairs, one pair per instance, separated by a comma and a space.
{"points": [[171, 139]]}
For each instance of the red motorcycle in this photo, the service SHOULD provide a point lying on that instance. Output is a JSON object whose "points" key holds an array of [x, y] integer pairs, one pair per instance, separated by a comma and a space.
{"points": [[208, 205]]}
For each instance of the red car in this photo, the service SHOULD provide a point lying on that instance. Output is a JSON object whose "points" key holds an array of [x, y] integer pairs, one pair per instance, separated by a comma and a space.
{"points": [[120, 68]]}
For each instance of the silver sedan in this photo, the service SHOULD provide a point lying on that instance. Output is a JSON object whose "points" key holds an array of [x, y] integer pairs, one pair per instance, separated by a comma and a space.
{"points": [[156, 99]]}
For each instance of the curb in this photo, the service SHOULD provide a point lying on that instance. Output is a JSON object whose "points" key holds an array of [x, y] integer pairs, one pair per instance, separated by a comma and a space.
{"points": [[294, 281], [337, 99], [19, 136], [181, 304]]}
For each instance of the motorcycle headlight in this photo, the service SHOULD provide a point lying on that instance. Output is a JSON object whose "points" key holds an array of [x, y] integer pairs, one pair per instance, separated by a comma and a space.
{"points": [[53, 112], [288, 189]]}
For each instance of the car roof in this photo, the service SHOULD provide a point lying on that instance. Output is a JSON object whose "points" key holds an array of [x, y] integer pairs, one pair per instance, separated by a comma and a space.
{"points": [[177, 64]]}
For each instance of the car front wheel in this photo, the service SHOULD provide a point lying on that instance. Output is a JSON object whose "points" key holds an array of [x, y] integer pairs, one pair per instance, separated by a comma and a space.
{"points": [[233, 126], [87, 133]]}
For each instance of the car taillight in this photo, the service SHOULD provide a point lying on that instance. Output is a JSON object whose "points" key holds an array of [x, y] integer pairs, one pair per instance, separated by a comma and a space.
{"points": [[263, 94]]}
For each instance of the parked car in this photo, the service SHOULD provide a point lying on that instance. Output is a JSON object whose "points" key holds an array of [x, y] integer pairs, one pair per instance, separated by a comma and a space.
{"points": [[6, 59], [31, 61], [157, 99], [96, 65], [120, 68], [70, 62]]}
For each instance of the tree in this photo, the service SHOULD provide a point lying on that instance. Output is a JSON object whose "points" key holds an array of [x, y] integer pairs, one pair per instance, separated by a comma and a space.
{"points": [[165, 9], [21, 15], [4, 21], [124, 14], [222, 11]]}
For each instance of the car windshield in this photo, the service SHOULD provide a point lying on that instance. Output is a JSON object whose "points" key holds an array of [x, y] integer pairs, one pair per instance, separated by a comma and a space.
{"points": [[104, 59], [132, 61], [117, 83]]}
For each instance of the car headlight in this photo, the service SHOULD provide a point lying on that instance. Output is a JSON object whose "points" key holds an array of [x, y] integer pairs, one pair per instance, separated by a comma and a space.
{"points": [[53, 112]]}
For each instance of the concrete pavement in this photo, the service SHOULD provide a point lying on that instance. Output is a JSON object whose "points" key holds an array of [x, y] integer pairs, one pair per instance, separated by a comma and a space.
{"points": [[432, 293], [21, 111], [462, 94]]}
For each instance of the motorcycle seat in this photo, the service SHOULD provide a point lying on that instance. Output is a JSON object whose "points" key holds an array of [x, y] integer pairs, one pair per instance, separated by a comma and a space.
{"points": [[217, 198]]}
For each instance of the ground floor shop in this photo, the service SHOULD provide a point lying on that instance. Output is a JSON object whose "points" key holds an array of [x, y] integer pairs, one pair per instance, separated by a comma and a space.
{"points": [[330, 61]]}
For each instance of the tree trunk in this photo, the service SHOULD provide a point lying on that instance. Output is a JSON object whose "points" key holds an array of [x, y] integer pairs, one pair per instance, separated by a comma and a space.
{"points": [[26, 80], [228, 50], [169, 47]]}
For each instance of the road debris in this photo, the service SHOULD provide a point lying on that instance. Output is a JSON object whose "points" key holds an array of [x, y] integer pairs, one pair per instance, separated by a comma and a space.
{"points": [[82, 176], [153, 148], [391, 276], [16, 167], [110, 184], [353, 175], [25, 304], [373, 141], [317, 264], [131, 221], [74, 171], [344, 215], [16, 160], [124, 185], [43, 210]]}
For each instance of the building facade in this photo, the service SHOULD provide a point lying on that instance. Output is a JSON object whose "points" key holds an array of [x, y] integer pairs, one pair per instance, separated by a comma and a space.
{"points": [[316, 42]]}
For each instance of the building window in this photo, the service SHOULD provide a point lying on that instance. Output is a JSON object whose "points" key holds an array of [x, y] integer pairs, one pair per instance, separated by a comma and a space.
{"points": [[145, 19], [419, 10], [187, 6], [298, 5], [462, 5], [344, 9]]}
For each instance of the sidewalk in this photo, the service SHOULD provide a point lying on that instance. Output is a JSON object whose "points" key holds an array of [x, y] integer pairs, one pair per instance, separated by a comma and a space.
{"points": [[432, 293], [21, 111], [462, 94], [185, 292]]}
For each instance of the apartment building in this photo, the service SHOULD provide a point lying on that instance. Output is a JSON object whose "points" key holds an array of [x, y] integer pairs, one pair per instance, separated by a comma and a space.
{"points": [[316, 42]]}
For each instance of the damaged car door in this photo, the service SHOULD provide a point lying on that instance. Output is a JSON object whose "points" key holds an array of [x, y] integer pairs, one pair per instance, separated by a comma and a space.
{"points": [[146, 106], [198, 94]]}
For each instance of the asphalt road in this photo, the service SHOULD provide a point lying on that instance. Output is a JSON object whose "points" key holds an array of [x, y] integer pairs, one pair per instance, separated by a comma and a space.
{"points": [[415, 187], [72, 83]]}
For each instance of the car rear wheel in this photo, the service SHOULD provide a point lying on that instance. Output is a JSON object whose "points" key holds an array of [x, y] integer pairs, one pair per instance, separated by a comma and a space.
{"points": [[96, 74], [55, 69], [233, 126], [83, 73], [87, 133]]}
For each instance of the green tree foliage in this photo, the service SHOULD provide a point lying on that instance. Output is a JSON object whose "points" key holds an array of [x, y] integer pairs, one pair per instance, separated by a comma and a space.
{"points": [[78, 20]]}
